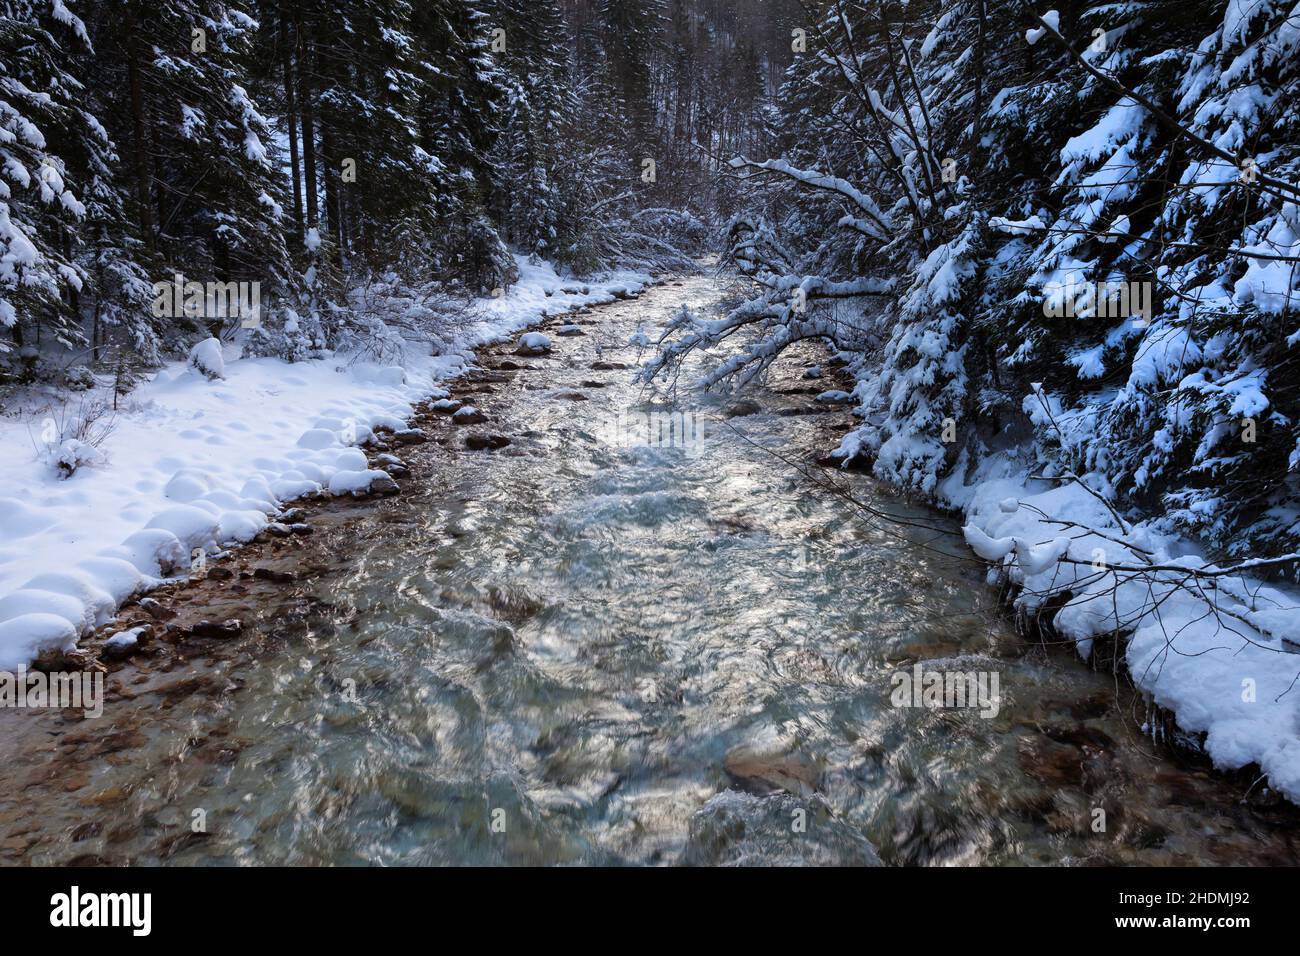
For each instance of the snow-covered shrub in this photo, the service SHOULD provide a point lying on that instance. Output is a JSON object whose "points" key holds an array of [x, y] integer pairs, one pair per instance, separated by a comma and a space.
{"points": [[71, 435], [77, 378], [206, 359], [70, 454]]}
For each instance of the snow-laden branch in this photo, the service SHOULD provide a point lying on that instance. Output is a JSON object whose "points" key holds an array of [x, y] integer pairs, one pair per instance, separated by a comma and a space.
{"points": [[877, 224], [1051, 22]]}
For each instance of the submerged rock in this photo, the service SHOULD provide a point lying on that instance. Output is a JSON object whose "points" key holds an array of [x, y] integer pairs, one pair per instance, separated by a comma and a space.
{"points": [[480, 442], [761, 773], [742, 408], [740, 829]]}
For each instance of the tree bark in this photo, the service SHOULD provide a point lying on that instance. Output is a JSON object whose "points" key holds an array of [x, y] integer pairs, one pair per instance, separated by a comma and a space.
{"points": [[333, 193], [143, 177], [305, 65], [291, 118]]}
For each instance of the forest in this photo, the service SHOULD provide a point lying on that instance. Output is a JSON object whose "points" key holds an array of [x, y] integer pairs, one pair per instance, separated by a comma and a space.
{"points": [[307, 146], [1040, 257]]}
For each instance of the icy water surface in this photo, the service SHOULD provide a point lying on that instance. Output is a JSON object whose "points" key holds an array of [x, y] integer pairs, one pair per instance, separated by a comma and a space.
{"points": [[581, 650]]}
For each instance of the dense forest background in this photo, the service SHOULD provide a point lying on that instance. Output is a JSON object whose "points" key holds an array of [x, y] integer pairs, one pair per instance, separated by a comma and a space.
{"points": [[306, 145]]}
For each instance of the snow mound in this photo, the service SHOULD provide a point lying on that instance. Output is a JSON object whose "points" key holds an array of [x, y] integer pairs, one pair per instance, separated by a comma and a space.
{"points": [[1226, 674], [24, 638], [17, 520], [206, 358], [156, 552], [357, 482], [193, 526], [80, 586], [317, 438], [35, 601]]}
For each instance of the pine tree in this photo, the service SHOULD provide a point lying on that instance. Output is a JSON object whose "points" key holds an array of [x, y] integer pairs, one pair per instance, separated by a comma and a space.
{"points": [[632, 31], [208, 199], [527, 198], [40, 125]]}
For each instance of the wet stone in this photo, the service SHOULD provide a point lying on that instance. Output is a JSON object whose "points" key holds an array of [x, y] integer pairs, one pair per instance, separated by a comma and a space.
{"points": [[382, 485], [743, 408], [760, 772], [155, 610], [410, 436], [217, 629], [274, 576], [480, 442], [469, 415]]}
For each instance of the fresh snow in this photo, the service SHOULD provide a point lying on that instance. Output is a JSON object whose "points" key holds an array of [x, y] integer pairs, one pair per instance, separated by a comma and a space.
{"points": [[207, 358], [1232, 676]]}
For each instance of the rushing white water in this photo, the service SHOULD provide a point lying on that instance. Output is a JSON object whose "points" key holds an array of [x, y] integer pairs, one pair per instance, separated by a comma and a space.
{"points": [[586, 649]]}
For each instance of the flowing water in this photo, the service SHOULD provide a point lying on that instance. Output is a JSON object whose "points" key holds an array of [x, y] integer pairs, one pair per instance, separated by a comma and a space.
{"points": [[585, 649]]}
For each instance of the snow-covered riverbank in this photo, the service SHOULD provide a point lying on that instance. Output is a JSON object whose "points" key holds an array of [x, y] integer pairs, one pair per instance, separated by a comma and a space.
{"points": [[194, 462], [1221, 651]]}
